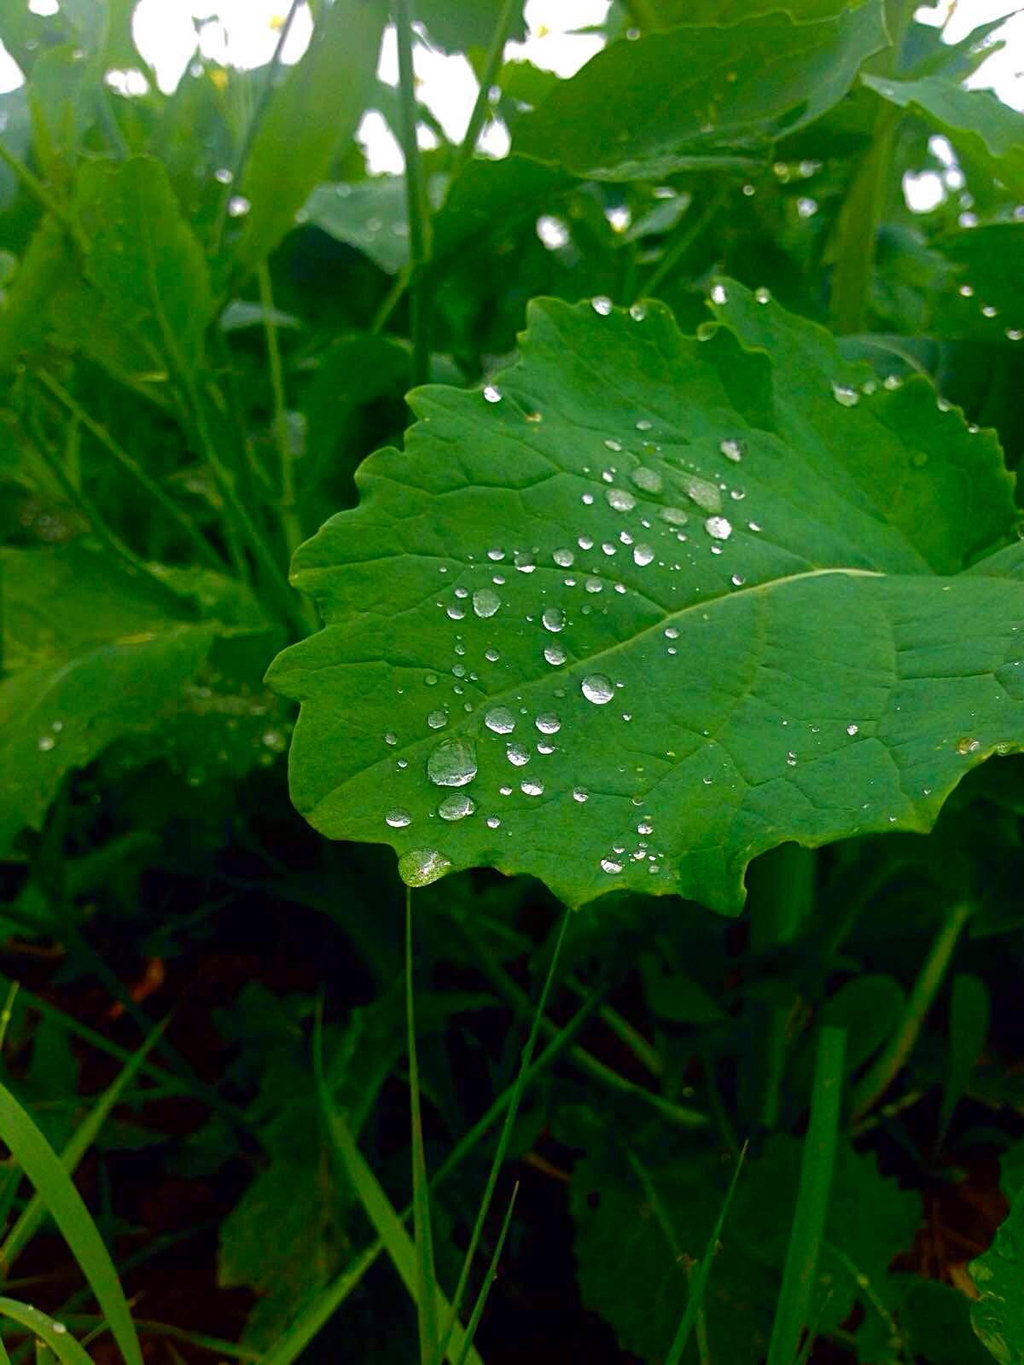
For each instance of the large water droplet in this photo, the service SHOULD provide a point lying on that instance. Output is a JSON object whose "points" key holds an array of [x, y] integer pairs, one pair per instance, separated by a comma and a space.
{"points": [[46, 743], [563, 557], [486, 602], [518, 754], [845, 396], [705, 494], [675, 516], [553, 618], [548, 723], [647, 479], [597, 688], [530, 786], [611, 865], [718, 528], [601, 305], [421, 866], [500, 719], [620, 500], [642, 554], [456, 807], [398, 817], [554, 654], [437, 720], [452, 763]]}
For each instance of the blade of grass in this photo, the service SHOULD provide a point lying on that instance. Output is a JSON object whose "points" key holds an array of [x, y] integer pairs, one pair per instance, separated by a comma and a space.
{"points": [[884, 1071], [381, 1213], [489, 1278], [83, 1138], [426, 1273], [43, 1167], [54, 1334], [506, 1131], [805, 1238], [699, 1277]]}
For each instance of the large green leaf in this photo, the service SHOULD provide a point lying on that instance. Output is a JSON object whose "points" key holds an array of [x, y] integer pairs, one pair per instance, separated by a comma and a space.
{"points": [[314, 110], [997, 1315], [706, 596], [701, 93], [90, 655], [976, 121]]}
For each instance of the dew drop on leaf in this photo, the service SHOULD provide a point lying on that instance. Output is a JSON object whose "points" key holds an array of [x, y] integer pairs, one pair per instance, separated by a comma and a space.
{"points": [[452, 763], [397, 817], [620, 500], [486, 602], [647, 479], [601, 305], [500, 719], [437, 720], [597, 688], [845, 396], [421, 866], [456, 807], [554, 654], [553, 618], [580, 794], [517, 754], [493, 822], [531, 787], [610, 865], [491, 394], [642, 554], [718, 528], [719, 294], [732, 450], [853, 729], [563, 557], [967, 745], [238, 206], [46, 743], [548, 723]]}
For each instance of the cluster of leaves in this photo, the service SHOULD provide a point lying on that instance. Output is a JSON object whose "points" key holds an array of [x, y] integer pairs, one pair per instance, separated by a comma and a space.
{"points": [[707, 586]]}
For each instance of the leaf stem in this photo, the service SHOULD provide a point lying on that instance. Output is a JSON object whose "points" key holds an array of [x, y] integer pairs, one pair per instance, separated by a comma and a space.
{"points": [[416, 201], [874, 1084], [857, 228], [491, 65]]}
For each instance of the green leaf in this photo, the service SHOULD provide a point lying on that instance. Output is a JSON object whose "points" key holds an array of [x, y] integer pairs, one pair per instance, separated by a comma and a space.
{"points": [[144, 259], [90, 656], [312, 113], [458, 25], [997, 1315], [776, 648], [977, 122], [988, 304], [369, 215], [24, 318], [968, 1029], [936, 1321], [701, 94]]}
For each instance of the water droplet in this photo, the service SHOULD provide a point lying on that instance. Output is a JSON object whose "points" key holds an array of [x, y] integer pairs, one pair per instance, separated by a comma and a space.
{"points": [[493, 822], [737, 580], [732, 450], [59, 1328], [762, 295], [585, 543], [580, 794], [524, 561], [791, 759], [612, 444], [620, 500], [1014, 334], [421, 866], [719, 294], [492, 394], [647, 479], [531, 786], [853, 729], [390, 738], [548, 723], [456, 807], [593, 585], [966, 745], [718, 528], [517, 754], [553, 618], [452, 763], [46, 743], [437, 720], [563, 557], [845, 396], [704, 493], [989, 311], [492, 655], [610, 865], [966, 291], [496, 553], [223, 176], [671, 633], [397, 817], [455, 612], [601, 305], [500, 719], [642, 554], [675, 516], [892, 382], [644, 424], [637, 311], [486, 602], [554, 654], [238, 206], [597, 688]]}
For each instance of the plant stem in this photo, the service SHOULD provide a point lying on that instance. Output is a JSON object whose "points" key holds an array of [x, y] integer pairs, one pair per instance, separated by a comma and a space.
{"points": [[494, 55], [884, 1071], [199, 542], [858, 227], [39, 191], [799, 1275], [416, 200], [426, 1274], [689, 231]]}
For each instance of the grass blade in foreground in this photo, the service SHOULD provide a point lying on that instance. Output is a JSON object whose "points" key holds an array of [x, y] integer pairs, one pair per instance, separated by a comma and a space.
{"points": [[43, 1328], [426, 1273], [489, 1278], [812, 1199], [43, 1168]]}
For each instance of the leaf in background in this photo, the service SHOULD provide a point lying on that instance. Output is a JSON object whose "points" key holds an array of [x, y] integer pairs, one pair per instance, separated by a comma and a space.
{"points": [[90, 655], [311, 114], [24, 319], [62, 95], [697, 94], [968, 1029], [368, 215], [977, 122], [654, 603], [989, 301], [936, 1321], [997, 1316], [144, 260], [353, 371], [458, 25], [488, 198]]}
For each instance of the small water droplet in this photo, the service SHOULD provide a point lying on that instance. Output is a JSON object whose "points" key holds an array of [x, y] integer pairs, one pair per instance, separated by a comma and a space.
{"points": [[644, 424], [486, 602], [989, 311], [223, 176], [593, 585], [554, 654], [238, 206], [454, 612], [398, 817], [531, 786], [892, 382], [493, 822], [853, 729], [732, 450], [492, 394], [46, 743], [671, 633], [675, 516], [762, 295], [580, 794], [647, 479], [390, 738], [492, 655], [597, 688], [563, 557], [642, 554], [452, 763], [637, 311], [456, 807], [845, 396], [517, 754], [553, 618], [421, 866], [737, 580], [718, 528], [719, 294], [437, 720], [500, 719], [620, 500], [601, 305], [967, 745], [610, 865], [548, 723], [966, 291]]}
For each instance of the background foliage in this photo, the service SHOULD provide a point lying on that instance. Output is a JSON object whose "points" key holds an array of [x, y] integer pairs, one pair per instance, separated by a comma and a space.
{"points": [[211, 315]]}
